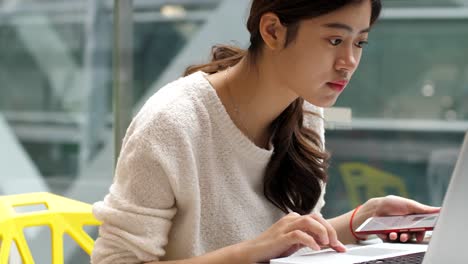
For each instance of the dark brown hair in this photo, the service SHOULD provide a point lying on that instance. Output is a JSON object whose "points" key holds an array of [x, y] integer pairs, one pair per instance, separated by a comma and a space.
{"points": [[293, 177]]}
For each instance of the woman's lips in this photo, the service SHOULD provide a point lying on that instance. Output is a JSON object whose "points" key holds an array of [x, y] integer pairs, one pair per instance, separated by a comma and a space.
{"points": [[337, 86]]}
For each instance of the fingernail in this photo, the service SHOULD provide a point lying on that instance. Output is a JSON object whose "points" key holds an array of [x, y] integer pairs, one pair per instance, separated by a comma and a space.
{"points": [[338, 244], [341, 247]]}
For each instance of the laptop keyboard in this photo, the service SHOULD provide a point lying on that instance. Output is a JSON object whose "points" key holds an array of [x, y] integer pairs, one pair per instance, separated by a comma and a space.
{"points": [[415, 258]]}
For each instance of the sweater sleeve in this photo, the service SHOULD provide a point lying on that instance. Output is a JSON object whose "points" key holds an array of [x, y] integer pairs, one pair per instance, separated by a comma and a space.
{"points": [[137, 212]]}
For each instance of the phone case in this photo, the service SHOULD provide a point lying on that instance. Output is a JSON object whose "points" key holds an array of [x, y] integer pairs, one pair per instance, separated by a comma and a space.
{"points": [[398, 224]]}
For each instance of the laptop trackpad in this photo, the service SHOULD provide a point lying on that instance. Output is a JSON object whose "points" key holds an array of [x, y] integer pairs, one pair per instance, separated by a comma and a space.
{"points": [[372, 251]]}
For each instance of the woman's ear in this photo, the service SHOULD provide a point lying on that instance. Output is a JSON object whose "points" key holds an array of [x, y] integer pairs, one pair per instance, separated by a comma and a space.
{"points": [[273, 32]]}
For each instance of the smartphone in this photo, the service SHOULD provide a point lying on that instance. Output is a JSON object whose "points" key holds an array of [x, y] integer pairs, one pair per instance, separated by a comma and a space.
{"points": [[399, 224]]}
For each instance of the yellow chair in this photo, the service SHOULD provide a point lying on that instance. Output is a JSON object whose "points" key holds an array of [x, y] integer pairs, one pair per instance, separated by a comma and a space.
{"points": [[364, 182], [62, 216]]}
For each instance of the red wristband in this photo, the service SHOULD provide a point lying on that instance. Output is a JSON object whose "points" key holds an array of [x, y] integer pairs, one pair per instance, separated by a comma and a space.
{"points": [[351, 223]]}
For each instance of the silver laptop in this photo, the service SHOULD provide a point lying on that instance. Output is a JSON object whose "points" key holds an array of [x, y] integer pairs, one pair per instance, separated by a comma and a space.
{"points": [[447, 244]]}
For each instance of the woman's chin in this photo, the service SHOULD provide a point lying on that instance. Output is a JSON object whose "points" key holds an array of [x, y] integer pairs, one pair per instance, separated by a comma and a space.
{"points": [[323, 103]]}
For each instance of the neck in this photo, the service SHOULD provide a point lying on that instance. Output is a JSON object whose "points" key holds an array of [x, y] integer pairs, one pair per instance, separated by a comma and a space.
{"points": [[252, 98]]}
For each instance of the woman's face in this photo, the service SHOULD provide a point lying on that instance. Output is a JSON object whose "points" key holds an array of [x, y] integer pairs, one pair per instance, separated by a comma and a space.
{"points": [[319, 62]]}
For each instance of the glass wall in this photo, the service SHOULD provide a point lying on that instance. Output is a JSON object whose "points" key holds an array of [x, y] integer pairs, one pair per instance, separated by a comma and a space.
{"points": [[56, 72], [56, 82], [409, 100], [409, 97]]}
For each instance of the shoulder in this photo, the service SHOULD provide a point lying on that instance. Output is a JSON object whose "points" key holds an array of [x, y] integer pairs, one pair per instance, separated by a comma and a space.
{"points": [[172, 110]]}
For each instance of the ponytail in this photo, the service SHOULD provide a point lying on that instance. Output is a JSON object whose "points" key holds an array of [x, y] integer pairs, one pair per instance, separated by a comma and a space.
{"points": [[298, 168], [222, 57]]}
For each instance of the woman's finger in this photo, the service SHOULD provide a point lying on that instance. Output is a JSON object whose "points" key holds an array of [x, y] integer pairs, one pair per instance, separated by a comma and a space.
{"points": [[384, 237], [299, 237], [290, 217], [310, 226], [419, 236], [291, 250], [332, 236], [286, 220], [404, 237], [415, 207]]}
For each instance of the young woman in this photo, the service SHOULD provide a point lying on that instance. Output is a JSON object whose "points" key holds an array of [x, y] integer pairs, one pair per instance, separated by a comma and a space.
{"points": [[227, 165]]}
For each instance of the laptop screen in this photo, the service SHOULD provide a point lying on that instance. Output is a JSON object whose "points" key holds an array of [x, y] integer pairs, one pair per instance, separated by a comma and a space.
{"points": [[447, 242]]}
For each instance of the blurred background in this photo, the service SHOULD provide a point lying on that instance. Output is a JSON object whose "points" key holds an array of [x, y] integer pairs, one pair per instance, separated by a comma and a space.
{"points": [[63, 61]]}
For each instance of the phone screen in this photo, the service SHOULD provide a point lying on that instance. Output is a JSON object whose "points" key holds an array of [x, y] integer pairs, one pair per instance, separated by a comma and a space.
{"points": [[387, 224]]}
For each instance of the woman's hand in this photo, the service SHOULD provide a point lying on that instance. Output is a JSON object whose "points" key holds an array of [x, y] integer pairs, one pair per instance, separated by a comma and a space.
{"points": [[395, 205], [291, 233]]}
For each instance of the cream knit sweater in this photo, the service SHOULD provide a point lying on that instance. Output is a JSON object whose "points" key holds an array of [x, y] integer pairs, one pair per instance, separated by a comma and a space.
{"points": [[187, 182]]}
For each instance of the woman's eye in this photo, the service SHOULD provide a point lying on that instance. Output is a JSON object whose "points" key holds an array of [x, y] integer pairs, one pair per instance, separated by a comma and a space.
{"points": [[335, 42], [361, 44]]}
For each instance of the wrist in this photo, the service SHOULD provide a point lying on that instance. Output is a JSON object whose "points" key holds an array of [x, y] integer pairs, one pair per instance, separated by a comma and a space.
{"points": [[362, 213], [234, 254], [369, 208], [242, 252], [352, 224]]}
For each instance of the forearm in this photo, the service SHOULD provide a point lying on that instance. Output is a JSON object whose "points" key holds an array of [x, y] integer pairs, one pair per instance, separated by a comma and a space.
{"points": [[232, 254], [341, 223]]}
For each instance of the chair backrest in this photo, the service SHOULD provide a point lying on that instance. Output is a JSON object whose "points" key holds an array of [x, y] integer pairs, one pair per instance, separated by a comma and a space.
{"points": [[62, 216], [364, 182]]}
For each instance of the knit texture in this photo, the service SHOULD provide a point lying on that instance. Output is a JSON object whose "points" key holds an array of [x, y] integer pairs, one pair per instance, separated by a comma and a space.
{"points": [[187, 182]]}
